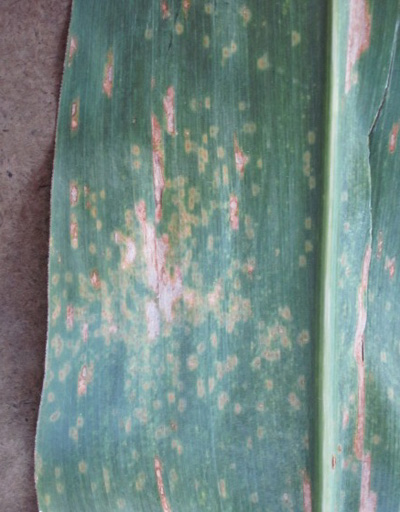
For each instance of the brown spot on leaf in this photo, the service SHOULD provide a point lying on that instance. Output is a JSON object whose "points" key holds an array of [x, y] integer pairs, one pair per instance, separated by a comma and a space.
{"points": [[158, 165], [358, 38], [95, 279], [70, 317], [380, 245], [241, 159], [165, 9], [73, 231], [73, 194], [75, 115], [108, 75], [333, 462], [234, 212], [169, 110], [186, 7], [393, 137], [307, 500], [84, 378], [390, 265], [368, 498], [73, 47]]}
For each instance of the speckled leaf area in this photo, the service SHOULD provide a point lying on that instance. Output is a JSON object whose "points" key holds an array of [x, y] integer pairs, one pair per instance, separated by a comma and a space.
{"points": [[183, 259]]}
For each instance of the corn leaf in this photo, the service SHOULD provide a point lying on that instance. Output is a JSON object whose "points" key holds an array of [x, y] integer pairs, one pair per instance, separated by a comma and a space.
{"points": [[223, 326]]}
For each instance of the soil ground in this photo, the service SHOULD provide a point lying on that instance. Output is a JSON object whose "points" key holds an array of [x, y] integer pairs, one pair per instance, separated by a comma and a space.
{"points": [[33, 36]]}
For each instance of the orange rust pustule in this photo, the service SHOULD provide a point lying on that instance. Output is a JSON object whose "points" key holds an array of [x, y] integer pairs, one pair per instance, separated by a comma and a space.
{"points": [[241, 159], [158, 165], [160, 485], [393, 137], [307, 499], [108, 75], [368, 498], [359, 35], [359, 354], [169, 110]]}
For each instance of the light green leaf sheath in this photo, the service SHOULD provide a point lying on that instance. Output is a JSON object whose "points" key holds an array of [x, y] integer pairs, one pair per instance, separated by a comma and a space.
{"points": [[224, 297]]}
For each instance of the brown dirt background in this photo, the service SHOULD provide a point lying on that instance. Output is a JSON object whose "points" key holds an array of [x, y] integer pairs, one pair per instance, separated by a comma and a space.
{"points": [[33, 36]]}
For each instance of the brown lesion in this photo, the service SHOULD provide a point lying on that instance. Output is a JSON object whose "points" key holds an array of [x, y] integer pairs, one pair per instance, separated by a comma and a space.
{"points": [[160, 485], [165, 9], [108, 75], [358, 39], [158, 165]]}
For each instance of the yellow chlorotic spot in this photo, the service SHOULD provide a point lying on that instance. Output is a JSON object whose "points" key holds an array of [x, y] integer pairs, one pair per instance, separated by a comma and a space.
{"points": [[308, 223], [137, 165], [233, 47], [55, 416], [179, 28], [308, 246], [47, 499], [205, 137], [51, 397], [220, 152], [206, 41], [214, 131], [259, 163], [193, 104], [99, 225], [263, 63], [209, 8], [250, 128], [148, 34], [55, 279], [296, 38], [245, 13], [59, 487], [254, 496], [102, 194], [140, 482], [390, 393], [226, 52], [311, 182], [121, 503], [302, 261], [57, 472], [242, 105], [222, 488], [93, 212], [225, 174], [255, 189], [207, 102], [188, 146], [92, 249], [311, 137], [135, 150]]}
